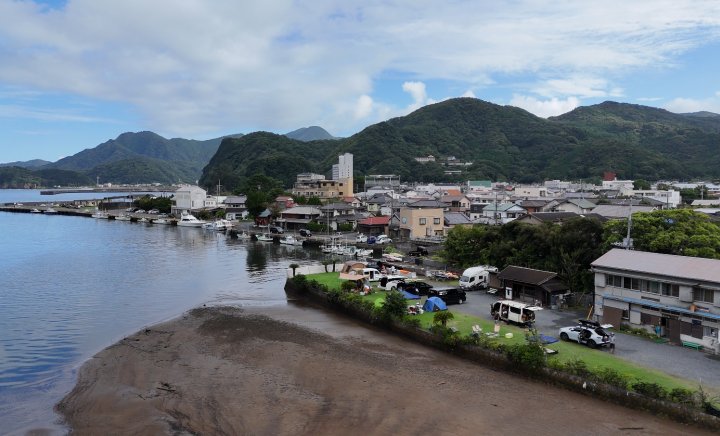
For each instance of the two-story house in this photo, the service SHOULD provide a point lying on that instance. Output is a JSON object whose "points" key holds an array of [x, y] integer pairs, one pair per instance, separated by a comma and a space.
{"points": [[188, 198], [418, 223], [680, 295]]}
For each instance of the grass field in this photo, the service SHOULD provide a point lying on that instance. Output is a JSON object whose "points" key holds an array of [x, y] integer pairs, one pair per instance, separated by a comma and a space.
{"points": [[567, 351]]}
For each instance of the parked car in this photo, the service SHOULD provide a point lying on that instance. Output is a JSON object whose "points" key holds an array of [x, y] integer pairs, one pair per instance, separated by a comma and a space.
{"points": [[370, 239], [418, 251], [360, 238], [588, 333], [383, 239], [391, 282], [416, 287], [305, 232], [276, 230], [154, 211], [449, 295], [140, 211]]}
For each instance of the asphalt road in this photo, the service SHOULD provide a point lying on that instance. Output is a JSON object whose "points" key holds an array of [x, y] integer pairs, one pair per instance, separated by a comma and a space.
{"points": [[672, 359]]}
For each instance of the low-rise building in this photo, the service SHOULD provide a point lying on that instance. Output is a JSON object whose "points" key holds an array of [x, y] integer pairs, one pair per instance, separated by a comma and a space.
{"points": [[188, 198], [418, 223], [677, 295]]}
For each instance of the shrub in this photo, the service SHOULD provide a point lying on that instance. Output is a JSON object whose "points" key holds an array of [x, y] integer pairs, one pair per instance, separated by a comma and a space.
{"points": [[652, 390], [442, 317], [577, 367], [394, 306], [348, 286], [612, 377], [411, 321], [300, 281], [527, 356], [683, 396]]}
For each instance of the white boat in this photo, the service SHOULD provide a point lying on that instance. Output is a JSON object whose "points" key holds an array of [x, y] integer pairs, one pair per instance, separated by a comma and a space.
{"points": [[352, 250], [35, 211], [50, 210], [101, 215], [143, 220], [264, 238], [290, 240], [244, 236], [162, 221], [123, 217], [188, 220], [219, 225]]}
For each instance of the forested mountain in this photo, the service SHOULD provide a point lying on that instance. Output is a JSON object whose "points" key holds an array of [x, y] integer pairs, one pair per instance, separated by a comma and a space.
{"points": [[500, 142], [143, 157], [312, 133], [18, 177], [35, 163]]}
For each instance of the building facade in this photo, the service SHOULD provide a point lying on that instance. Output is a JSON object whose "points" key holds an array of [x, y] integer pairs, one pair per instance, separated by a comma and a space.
{"points": [[675, 296]]}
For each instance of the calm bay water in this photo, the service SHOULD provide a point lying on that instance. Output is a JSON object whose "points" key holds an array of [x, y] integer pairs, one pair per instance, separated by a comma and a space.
{"points": [[70, 286]]}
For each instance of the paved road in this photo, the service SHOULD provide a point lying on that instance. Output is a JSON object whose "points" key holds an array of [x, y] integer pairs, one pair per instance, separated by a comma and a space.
{"points": [[683, 362]]}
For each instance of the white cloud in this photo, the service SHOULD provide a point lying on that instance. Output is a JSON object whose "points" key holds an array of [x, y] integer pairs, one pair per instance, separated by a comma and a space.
{"points": [[545, 108], [364, 107], [683, 105], [199, 67]]}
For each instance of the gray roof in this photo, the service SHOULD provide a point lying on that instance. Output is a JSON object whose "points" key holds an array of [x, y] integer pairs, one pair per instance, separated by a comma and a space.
{"points": [[617, 211], [551, 216], [533, 203], [337, 206], [456, 218], [582, 203], [427, 204], [302, 210], [669, 265]]}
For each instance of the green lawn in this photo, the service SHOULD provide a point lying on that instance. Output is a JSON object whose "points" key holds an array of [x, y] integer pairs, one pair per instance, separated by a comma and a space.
{"points": [[567, 351]]}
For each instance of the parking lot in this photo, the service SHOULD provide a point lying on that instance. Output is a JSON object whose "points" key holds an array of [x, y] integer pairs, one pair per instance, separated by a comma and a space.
{"points": [[687, 363]]}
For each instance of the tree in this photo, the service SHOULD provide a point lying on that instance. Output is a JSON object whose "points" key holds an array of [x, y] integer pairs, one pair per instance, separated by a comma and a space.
{"points": [[679, 231], [442, 317], [394, 305], [641, 184], [294, 266]]}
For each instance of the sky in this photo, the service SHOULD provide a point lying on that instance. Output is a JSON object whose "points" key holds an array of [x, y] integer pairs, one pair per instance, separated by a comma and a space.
{"points": [[76, 73]]}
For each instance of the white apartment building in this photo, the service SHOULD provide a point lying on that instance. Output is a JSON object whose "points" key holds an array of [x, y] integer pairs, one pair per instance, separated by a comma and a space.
{"points": [[188, 198]]}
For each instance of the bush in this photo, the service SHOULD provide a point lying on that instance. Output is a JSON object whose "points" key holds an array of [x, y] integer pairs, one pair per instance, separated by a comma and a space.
{"points": [[412, 321], [577, 367], [683, 396], [300, 281], [527, 356], [348, 286], [394, 306], [652, 390], [612, 377]]}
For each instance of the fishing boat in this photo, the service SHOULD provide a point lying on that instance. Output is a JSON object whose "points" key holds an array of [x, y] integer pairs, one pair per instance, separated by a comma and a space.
{"points": [[264, 237], [123, 217], [162, 221], [35, 211], [290, 240], [219, 225], [101, 215], [50, 211], [244, 236]]}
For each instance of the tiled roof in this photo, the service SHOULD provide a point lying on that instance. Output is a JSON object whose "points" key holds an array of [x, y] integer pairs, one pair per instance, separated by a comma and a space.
{"points": [[526, 275], [375, 221]]}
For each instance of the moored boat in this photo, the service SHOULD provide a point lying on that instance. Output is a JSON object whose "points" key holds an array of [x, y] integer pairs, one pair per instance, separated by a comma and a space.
{"points": [[123, 217], [50, 210], [290, 240], [188, 220], [264, 237]]}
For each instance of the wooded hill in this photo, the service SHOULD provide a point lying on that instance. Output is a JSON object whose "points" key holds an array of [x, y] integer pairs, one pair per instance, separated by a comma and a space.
{"points": [[502, 142]]}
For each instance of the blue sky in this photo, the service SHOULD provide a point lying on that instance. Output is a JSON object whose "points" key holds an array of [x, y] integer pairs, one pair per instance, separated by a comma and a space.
{"points": [[76, 73]]}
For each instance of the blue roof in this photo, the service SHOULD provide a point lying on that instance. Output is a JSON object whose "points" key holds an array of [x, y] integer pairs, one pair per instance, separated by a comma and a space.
{"points": [[657, 305]]}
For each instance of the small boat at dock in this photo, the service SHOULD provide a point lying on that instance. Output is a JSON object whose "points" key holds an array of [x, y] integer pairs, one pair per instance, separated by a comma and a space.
{"points": [[290, 240], [264, 237]]}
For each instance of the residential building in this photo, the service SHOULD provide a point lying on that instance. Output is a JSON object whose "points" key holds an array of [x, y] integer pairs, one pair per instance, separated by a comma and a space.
{"points": [[502, 213], [617, 211], [455, 203], [235, 207], [680, 294], [373, 226], [479, 186], [298, 217], [416, 223], [531, 285], [671, 198], [575, 205], [531, 191], [456, 219], [188, 198]]}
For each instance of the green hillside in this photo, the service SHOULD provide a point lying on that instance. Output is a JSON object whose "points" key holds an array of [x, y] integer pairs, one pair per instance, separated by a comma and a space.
{"points": [[501, 142]]}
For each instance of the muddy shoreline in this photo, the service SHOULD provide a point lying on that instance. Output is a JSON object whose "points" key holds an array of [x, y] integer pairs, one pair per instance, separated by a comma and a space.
{"points": [[235, 371]]}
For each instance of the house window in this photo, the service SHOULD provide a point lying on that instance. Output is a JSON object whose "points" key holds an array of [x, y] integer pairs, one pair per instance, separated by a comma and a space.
{"points": [[671, 290], [704, 295], [616, 281], [436, 221], [423, 221]]}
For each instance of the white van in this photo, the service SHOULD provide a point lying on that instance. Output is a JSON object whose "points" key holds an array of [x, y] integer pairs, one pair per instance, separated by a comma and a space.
{"points": [[513, 311], [476, 277], [372, 274]]}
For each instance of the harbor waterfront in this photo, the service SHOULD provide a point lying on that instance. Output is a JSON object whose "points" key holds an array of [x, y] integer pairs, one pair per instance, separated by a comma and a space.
{"points": [[72, 286]]}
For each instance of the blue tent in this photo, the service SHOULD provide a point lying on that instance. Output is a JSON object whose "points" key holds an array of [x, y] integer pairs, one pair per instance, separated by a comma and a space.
{"points": [[409, 296], [434, 304]]}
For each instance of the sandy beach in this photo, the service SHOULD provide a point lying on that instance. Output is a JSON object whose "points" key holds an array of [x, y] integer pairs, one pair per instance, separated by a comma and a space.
{"points": [[298, 370]]}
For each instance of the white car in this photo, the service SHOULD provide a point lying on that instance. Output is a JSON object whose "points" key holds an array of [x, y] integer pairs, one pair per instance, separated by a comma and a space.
{"points": [[383, 239], [360, 238], [589, 333], [391, 282]]}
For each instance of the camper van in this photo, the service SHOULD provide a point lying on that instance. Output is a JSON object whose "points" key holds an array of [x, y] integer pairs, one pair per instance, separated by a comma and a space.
{"points": [[513, 311], [372, 274], [476, 277]]}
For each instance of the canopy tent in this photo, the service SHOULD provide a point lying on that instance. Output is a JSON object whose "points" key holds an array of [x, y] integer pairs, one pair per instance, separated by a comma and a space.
{"points": [[434, 304]]}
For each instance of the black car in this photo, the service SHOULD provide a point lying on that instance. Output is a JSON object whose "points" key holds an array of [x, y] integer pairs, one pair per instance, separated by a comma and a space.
{"points": [[305, 232], [277, 230], [419, 251], [416, 287], [449, 295]]}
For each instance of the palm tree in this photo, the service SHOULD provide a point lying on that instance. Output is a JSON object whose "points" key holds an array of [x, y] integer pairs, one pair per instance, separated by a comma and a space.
{"points": [[294, 266], [442, 317]]}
